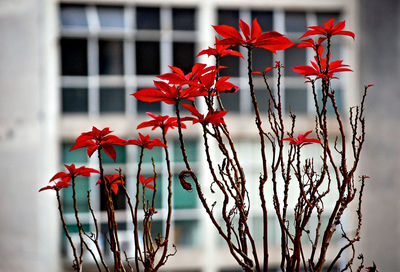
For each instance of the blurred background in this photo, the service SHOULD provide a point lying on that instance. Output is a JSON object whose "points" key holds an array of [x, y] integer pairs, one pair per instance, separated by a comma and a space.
{"points": [[68, 65]]}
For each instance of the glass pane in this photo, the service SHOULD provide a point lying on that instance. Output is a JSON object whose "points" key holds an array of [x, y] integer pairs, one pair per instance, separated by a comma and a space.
{"points": [[156, 228], [263, 98], [261, 59], [121, 155], [76, 156], [264, 18], [191, 151], [186, 233], [183, 55], [147, 18], [232, 62], [294, 57], [149, 193], [183, 19], [296, 100], [295, 22], [228, 17], [147, 58], [258, 229], [73, 16], [111, 57], [156, 153], [142, 107], [231, 101], [325, 16], [118, 200], [112, 100], [74, 100], [73, 57], [81, 188], [338, 99], [73, 228], [183, 199], [111, 16]]}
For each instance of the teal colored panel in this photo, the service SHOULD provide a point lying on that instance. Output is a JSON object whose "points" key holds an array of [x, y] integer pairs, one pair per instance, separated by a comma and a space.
{"points": [[156, 153], [73, 228], [75, 156], [183, 199], [338, 99], [121, 155], [156, 228], [82, 186], [191, 151], [258, 230], [186, 233]]}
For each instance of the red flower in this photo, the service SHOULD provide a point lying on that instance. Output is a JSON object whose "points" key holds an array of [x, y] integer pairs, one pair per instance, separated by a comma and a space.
{"points": [[145, 142], [302, 139], [220, 51], [178, 76], [162, 121], [58, 186], [221, 85], [328, 30], [113, 180], [167, 94], [271, 41], [215, 118], [313, 70], [146, 182], [317, 46], [73, 172], [98, 139]]}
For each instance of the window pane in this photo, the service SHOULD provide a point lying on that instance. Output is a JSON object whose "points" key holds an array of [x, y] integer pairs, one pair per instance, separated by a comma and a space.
{"points": [[112, 100], [258, 230], [294, 57], [183, 19], [156, 228], [228, 17], [264, 18], [73, 228], [191, 151], [76, 156], [263, 97], [322, 17], [147, 58], [111, 57], [183, 55], [73, 16], [148, 18], [233, 63], [142, 107], [81, 187], [74, 100], [338, 99], [296, 100], [156, 153], [121, 155], [295, 22], [261, 59], [111, 16], [183, 199], [187, 233], [231, 101], [73, 57]]}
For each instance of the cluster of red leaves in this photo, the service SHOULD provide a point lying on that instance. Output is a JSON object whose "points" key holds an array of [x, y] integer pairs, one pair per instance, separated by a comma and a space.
{"points": [[146, 182], [302, 140], [98, 139], [160, 121], [212, 117], [66, 177], [253, 37], [113, 180], [220, 50], [145, 142], [320, 68]]}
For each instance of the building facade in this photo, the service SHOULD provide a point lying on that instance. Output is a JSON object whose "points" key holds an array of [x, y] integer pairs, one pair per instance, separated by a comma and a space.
{"points": [[69, 65]]}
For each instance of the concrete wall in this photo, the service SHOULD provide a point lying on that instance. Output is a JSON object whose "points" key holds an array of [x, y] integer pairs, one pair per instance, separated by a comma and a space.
{"points": [[380, 56], [29, 234]]}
